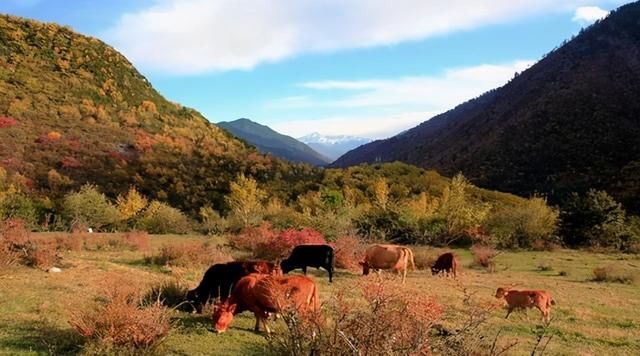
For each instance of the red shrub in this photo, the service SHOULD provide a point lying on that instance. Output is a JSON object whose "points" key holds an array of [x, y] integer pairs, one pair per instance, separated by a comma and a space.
{"points": [[7, 122], [266, 243], [17, 246], [483, 256], [348, 251], [70, 162], [118, 319], [137, 240]]}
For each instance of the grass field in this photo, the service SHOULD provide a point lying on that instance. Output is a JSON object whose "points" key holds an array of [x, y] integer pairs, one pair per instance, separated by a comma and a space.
{"points": [[590, 318]]}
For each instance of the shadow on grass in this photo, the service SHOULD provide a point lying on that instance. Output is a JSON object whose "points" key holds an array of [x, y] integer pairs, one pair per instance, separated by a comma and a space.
{"points": [[42, 338]]}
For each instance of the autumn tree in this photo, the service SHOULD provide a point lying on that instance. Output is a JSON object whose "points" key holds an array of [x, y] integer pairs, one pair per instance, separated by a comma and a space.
{"points": [[460, 212], [90, 207], [245, 200], [380, 191], [131, 204]]}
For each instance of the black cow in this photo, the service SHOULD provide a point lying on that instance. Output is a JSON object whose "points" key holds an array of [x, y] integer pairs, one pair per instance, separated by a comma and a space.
{"points": [[304, 256], [220, 278], [447, 263]]}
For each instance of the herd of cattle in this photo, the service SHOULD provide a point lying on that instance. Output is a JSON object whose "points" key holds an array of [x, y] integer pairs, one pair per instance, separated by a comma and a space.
{"points": [[262, 288]]}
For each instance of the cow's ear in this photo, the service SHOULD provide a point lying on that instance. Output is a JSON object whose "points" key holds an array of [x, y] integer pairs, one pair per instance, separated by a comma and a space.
{"points": [[232, 308]]}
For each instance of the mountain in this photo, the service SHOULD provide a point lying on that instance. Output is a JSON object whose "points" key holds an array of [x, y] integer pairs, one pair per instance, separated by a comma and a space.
{"points": [[270, 141], [333, 146], [74, 111], [568, 123]]}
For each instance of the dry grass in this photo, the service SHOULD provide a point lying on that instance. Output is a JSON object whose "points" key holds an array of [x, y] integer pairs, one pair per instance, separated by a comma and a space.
{"points": [[188, 254], [588, 319], [424, 259], [612, 274]]}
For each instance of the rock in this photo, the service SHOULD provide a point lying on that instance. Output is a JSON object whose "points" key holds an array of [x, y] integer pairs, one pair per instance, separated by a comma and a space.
{"points": [[54, 270]]}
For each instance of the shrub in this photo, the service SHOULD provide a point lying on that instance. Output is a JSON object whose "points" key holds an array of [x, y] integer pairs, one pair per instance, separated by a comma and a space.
{"points": [[423, 259], [612, 275], [89, 207], [171, 293], [188, 254], [529, 224], [160, 218], [265, 243], [483, 256], [137, 241], [119, 319], [594, 219], [7, 122], [245, 200], [17, 205], [17, 247], [386, 319], [348, 251]]}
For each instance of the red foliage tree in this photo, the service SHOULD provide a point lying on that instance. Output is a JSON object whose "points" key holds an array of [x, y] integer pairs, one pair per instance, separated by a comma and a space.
{"points": [[7, 122], [70, 162]]}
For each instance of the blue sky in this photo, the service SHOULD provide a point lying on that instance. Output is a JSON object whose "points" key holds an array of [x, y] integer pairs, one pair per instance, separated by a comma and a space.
{"points": [[359, 67]]}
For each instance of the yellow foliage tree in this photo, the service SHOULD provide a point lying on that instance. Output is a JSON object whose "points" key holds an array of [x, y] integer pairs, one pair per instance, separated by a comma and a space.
{"points": [[245, 200], [131, 204], [459, 210], [381, 193]]}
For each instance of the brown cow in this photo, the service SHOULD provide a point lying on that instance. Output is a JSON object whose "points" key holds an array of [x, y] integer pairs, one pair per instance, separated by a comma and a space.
{"points": [[264, 294], [220, 278], [524, 299], [393, 257], [447, 263]]}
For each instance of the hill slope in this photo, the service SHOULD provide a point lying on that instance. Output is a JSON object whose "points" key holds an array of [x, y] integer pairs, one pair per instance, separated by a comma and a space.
{"points": [[270, 141], [568, 123], [73, 110], [333, 146]]}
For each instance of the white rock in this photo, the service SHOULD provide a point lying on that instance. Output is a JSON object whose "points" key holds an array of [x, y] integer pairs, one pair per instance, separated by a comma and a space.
{"points": [[54, 270]]}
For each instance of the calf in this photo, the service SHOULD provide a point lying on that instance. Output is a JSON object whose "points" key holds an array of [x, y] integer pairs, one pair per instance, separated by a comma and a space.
{"points": [[265, 294], [447, 263], [527, 299], [304, 256], [393, 257], [220, 278]]}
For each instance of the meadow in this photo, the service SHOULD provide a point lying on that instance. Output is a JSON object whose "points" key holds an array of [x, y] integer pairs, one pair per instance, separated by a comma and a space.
{"points": [[590, 318]]}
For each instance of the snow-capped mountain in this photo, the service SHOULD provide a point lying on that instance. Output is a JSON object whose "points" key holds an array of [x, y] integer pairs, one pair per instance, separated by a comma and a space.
{"points": [[333, 146]]}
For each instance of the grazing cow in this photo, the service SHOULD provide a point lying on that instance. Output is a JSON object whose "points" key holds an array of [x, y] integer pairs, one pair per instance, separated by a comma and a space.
{"points": [[394, 257], [263, 295], [304, 256], [447, 263], [219, 279], [524, 299]]}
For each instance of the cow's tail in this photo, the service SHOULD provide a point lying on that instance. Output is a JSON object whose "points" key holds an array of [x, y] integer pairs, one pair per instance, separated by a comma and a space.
{"points": [[313, 300]]}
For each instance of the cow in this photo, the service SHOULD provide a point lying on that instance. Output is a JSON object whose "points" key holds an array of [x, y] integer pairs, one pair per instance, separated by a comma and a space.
{"points": [[263, 295], [447, 263], [524, 299], [394, 257], [219, 279], [304, 256]]}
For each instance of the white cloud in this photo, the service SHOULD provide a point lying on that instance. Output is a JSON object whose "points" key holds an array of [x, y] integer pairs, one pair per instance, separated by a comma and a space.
{"points": [[194, 36], [589, 14], [408, 101]]}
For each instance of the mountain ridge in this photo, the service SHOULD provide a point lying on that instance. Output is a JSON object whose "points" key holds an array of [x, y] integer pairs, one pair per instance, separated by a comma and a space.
{"points": [[568, 123], [333, 146], [270, 141]]}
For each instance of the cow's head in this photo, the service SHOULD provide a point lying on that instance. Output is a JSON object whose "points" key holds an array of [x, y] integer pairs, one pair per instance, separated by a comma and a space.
{"points": [[286, 266], [434, 271], [501, 292], [365, 267], [222, 316], [194, 300]]}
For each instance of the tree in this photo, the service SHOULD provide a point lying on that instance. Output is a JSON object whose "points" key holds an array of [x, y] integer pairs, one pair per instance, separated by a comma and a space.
{"points": [[160, 218], [380, 193], [131, 204], [245, 200], [458, 210], [593, 219], [89, 206]]}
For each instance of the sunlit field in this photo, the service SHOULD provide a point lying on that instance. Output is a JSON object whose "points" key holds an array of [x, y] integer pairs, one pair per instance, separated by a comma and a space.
{"points": [[589, 317]]}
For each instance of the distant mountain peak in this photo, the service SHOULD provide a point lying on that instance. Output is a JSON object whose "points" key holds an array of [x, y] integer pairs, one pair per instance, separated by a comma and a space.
{"points": [[270, 141], [333, 146]]}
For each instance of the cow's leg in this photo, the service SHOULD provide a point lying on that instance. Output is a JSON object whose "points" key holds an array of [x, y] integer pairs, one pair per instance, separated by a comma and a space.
{"points": [[266, 327], [330, 270], [304, 270], [258, 318], [508, 312], [404, 275]]}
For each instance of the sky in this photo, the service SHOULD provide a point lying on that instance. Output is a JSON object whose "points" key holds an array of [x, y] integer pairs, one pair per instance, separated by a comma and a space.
{"points": [[369, 68]]}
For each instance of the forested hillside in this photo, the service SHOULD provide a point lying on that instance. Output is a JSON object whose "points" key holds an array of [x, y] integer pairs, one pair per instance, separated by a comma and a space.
{"points": [[73, 110], [569, 123]]}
